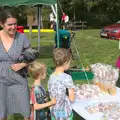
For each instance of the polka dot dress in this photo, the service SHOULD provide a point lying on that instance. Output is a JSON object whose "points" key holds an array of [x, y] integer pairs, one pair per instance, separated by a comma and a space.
{"points": [[14, 94]]}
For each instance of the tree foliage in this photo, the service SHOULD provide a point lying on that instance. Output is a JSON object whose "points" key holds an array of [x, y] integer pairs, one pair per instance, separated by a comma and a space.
{"points": [[101, 11], [95, 12]]}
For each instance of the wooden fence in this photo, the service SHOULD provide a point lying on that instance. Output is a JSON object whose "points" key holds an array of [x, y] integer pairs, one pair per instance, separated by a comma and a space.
{"points": [[77, 25]]}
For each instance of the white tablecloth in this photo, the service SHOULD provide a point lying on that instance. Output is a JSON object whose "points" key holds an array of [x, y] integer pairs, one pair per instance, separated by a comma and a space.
{"points": [[79, 105]]}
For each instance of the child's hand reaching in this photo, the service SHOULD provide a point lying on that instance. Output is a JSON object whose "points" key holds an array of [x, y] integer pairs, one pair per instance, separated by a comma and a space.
{"points": [[53, 100]]}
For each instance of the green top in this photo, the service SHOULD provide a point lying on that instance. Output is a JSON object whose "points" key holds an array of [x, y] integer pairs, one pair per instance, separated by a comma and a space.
{"points": [[26, 2]]}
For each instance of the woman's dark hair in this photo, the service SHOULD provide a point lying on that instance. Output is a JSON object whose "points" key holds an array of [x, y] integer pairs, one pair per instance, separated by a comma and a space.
{"points": [[7, 13]]}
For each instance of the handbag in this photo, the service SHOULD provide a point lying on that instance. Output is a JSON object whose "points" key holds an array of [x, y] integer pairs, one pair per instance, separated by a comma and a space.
{"points": [[28, 55]]}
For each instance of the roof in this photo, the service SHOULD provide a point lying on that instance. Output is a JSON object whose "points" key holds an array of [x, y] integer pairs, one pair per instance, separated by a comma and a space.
{"points": [[26, 2]]}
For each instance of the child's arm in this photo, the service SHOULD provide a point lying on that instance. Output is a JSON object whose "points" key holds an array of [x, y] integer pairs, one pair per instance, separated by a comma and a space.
{"points": [[70, 87], [71, 94], [44, 105]]}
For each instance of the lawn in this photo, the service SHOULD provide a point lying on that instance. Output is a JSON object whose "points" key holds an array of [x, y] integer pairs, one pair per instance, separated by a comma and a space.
{"points": [[91, 48]]}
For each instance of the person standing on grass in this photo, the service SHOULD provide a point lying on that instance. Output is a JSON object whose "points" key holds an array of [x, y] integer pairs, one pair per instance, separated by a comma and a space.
{"points": [[38, 95], [52, 20], [63, 17], [65, 20], [14, 94], [57, 85]]}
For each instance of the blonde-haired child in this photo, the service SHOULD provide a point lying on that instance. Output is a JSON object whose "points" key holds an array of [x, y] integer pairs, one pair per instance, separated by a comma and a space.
{"points": [[37, 71], [58, 83]]}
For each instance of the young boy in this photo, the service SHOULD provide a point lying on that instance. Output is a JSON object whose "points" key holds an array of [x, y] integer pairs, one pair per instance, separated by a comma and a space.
{"points": [[38, 94], [57, 85]]}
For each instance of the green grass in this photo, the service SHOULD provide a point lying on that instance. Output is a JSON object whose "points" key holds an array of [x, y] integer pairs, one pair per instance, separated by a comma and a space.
{"points": [[91, 47]]}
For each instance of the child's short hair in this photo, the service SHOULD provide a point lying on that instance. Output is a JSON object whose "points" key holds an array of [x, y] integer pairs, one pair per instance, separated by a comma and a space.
{"points": [[36, 68], [61, 56]]}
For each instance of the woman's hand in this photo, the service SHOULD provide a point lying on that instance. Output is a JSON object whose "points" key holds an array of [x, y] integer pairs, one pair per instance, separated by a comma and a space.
{"points": [[18, 66]]}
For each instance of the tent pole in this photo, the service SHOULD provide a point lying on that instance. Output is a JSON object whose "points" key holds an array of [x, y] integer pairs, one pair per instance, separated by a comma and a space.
{"points": [[57, 25], [53, 9], [39, 18]]}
